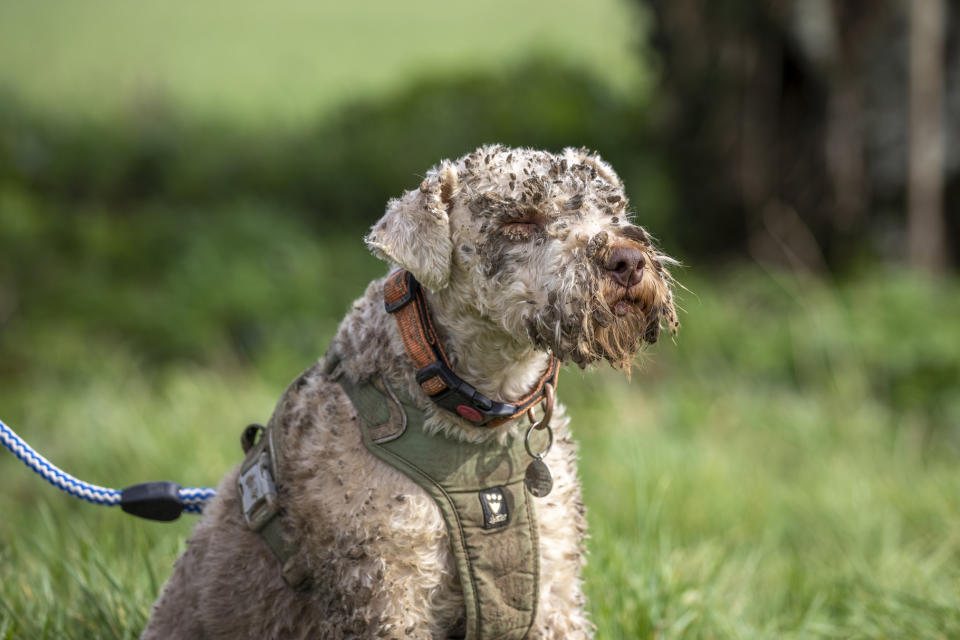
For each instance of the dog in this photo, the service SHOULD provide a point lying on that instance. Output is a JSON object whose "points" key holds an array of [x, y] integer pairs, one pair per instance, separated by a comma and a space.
{"points": [[507, 263]]}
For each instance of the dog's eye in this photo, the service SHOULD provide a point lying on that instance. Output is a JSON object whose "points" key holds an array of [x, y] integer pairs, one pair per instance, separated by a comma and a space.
{"points": [[524, 226], [521, 231]]}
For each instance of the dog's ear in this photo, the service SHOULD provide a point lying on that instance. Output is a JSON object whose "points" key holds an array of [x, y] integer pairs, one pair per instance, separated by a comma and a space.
{"points": [[414, 233]]}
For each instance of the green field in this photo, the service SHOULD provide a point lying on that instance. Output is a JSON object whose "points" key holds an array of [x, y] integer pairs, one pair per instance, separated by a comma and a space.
{"points": [[283, 63], [183, 191], [787, 468]]}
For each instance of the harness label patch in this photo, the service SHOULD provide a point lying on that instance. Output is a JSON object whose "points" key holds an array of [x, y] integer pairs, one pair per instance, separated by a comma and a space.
{"points": [[495, 511]]}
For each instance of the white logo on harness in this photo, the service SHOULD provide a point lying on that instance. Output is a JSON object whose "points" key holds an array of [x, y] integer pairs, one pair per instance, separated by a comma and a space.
{"points": [[495, 511]]}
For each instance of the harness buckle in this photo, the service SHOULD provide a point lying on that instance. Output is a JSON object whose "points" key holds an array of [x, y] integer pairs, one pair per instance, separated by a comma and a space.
{"points": [[258, 493]]}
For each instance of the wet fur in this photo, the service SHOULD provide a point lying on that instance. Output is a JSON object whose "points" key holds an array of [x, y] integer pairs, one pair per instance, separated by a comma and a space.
{"points": [[510, 244]]}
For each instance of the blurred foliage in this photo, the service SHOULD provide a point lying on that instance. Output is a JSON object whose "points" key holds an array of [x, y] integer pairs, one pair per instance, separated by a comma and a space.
{"points": [[888, 336], [185, 241], [339, 171], [150, 229], [168, 285], [206, 285]]}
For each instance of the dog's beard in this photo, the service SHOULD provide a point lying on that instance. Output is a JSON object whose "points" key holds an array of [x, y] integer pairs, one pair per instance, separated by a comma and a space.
{"points": [[612, 324], [624, 319]]}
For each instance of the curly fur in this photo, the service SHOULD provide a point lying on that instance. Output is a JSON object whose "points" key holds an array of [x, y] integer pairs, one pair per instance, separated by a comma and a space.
{"points": [[511, 245]]}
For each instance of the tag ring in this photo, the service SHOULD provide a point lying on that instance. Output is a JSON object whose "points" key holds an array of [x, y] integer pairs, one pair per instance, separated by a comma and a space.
{"points": [[526, 442], [547, 409]]}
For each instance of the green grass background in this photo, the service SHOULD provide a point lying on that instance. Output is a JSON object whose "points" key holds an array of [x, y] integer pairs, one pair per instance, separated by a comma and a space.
{"points": [[283, 62], [786, 468], [781, 470]]}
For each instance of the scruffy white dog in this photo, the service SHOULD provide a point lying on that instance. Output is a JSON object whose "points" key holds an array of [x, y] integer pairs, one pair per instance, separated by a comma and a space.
{"points": [[525, 258]]}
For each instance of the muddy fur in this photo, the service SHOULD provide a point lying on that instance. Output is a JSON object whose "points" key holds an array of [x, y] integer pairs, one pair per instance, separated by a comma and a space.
{"points": [[511, 245]]}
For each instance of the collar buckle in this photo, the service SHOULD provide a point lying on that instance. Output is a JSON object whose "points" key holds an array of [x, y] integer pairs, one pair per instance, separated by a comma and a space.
{"points": [[433, 373], [449, 391]]}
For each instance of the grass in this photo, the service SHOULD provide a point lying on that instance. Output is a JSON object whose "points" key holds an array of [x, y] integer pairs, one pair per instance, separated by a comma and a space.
{"points": [[787, 469], [772, 474], [784, 515], [283, 63]]}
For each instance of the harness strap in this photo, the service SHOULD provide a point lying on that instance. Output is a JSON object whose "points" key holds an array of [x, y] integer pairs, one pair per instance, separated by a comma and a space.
{"points": [[490, 517], [404, 298], [258, 485]]}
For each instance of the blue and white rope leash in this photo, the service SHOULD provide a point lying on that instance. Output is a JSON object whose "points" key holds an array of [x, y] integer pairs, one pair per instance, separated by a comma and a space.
{"points": [[153, 500]]}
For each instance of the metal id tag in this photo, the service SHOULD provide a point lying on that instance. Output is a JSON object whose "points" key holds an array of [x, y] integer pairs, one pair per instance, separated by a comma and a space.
{"points": [[538, 478]]}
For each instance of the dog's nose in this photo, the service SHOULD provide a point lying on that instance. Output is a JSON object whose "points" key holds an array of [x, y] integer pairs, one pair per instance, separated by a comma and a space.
{"points": [[625, 265]]}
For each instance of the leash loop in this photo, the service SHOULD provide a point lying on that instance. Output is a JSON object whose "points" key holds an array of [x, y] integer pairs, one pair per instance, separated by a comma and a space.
{"points": [[153, 500]]}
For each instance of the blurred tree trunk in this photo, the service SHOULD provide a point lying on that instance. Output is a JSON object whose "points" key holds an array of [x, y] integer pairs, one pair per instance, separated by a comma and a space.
{"points": [[926, 231], [844, 145], [789, 132], [764, 122]]}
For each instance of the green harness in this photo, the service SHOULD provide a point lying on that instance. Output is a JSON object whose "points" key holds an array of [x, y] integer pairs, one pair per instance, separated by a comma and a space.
{"points": [[479, 488]]}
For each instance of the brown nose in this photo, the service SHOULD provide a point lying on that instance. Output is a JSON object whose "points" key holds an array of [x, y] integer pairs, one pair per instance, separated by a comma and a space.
{"points": [[625, 265]]}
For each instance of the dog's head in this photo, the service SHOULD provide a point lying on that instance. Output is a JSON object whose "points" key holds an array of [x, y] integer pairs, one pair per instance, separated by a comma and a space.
{"points": [[538, 244]]}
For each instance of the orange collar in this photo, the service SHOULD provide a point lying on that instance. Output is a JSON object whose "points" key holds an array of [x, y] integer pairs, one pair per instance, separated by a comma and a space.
{"points": [[403, 297]]}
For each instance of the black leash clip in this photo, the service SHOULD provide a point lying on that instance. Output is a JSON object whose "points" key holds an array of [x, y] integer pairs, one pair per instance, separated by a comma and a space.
{"points": [[153, 500]]}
